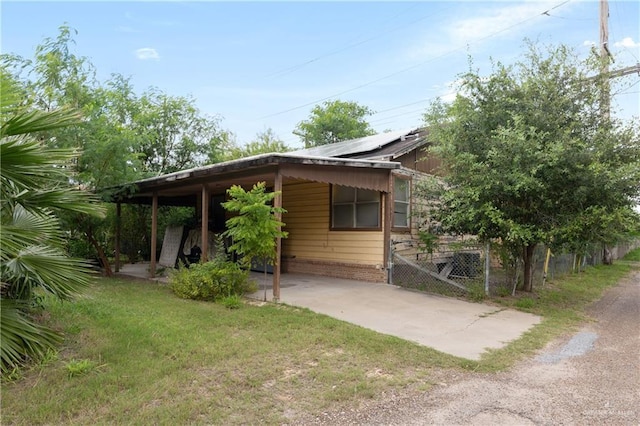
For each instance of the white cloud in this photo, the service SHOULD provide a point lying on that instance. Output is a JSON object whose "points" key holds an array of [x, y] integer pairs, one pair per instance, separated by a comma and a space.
{"points": [[147, 53], [497, 22], [627, 42], [470, 30], [588, 43]]}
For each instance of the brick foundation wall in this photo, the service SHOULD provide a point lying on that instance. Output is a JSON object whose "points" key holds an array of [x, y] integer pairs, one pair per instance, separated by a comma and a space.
{"points": [[349, 271]]}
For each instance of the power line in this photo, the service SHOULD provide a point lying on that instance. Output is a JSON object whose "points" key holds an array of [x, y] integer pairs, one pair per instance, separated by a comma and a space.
{"points": [[621, 25], [378, 35], [623, 91], [404, 114], [412, 67], [421, 101]]}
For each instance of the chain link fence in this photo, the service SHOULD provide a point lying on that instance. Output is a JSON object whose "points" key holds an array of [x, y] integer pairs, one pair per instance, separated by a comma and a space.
{"points": [[460, 269], [451, 271]]}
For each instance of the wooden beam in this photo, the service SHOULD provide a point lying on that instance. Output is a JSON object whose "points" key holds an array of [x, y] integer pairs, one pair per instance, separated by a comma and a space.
{"points": [[154, 235], [206, 200], [117, 242], [277, 203]]}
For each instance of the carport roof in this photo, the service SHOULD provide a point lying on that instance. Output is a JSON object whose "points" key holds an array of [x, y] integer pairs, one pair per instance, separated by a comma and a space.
{"points": [[251, 169]]}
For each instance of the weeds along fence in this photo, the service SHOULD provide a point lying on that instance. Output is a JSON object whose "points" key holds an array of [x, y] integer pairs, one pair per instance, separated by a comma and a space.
{"points": [[567, 263], [460, 269]]}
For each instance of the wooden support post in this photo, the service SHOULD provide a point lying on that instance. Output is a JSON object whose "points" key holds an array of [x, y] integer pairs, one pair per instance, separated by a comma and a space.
{"points": [[277, 203], [204, 257], [117, 242], [387, 204], [154, 235]]}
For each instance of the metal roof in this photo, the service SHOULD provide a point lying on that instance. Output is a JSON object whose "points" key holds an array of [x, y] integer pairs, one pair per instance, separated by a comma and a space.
{"points": [[266, 159], [355, 146], [245, 167]]}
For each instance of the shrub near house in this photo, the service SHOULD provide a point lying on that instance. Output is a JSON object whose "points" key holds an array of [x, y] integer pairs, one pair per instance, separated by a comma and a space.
{"points": [[211, 280]]}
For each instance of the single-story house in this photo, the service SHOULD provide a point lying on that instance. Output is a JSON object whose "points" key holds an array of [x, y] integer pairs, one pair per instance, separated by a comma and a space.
{"points": [[345, 202]]}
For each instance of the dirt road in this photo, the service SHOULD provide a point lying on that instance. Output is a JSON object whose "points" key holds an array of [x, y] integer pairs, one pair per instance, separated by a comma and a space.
{"points": [[589, 378]]}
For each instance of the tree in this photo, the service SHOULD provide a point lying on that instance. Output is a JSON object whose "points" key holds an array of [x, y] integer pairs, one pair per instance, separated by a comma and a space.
{"points": [[255, 228], [264, 143], [172, 133], [34, 187], [57, 78], [530, 157], [334, 121], [123, 136]]}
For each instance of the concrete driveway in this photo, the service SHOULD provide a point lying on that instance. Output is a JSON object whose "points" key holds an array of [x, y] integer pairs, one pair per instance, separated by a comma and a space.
{"points": [[449, 325]]}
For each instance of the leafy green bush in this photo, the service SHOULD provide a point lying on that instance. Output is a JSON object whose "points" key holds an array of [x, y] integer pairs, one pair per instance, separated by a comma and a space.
{"points": [[211, 280]]}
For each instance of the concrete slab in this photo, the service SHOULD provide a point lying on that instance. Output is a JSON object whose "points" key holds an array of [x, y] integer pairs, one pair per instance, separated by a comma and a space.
{"points": [[449, 325]]}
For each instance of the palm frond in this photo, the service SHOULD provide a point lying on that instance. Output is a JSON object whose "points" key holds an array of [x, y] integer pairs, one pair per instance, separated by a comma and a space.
{"points": [[35, 183], [37, 121], [66, 199], [24, 229], [48, 268], [21, 337], [26, 162]]}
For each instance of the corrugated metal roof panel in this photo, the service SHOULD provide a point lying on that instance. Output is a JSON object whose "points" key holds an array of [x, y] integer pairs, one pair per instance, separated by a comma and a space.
{"points": [[354, 146]]}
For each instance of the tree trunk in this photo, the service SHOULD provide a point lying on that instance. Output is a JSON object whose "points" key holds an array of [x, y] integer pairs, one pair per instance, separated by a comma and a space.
{"points": [[101, 255], [527, 257], [607, 258]]}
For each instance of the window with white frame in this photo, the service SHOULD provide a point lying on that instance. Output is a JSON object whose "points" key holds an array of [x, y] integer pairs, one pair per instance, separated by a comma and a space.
{"points": [[354, 208], [401, 203]]}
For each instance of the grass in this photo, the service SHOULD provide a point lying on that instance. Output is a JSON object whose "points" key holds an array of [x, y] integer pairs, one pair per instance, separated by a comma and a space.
{"points": [[633, 255], [135, 353], [79, 367], [141, 355]]}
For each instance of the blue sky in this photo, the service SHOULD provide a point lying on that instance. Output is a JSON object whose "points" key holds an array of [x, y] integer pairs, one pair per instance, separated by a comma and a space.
{"points": [[266, 64]]}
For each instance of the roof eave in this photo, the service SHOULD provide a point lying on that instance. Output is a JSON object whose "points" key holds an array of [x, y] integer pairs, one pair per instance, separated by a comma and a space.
{"points": [[254, 162]]}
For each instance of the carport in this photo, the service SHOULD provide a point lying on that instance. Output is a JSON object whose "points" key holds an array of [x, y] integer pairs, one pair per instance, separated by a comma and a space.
{"points": [[203, 189]]}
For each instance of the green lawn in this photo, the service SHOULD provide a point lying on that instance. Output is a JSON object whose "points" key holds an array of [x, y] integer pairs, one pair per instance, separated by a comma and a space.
{"points": [[159, 359], [135, 353]]}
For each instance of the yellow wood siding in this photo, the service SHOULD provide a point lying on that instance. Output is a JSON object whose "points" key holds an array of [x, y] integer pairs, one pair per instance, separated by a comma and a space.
{"points": [[307, 222]]}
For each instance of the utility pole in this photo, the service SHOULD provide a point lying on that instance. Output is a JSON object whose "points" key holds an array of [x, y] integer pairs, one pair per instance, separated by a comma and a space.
{"points": [[604, 57]]}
